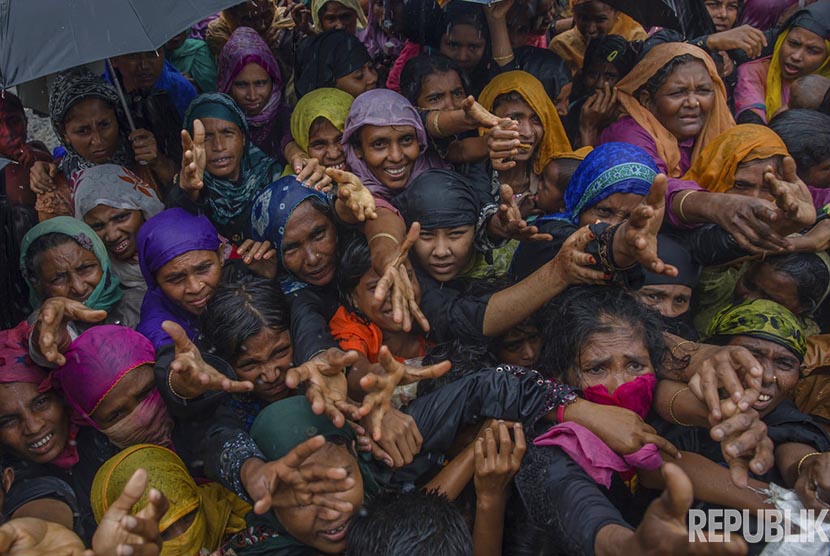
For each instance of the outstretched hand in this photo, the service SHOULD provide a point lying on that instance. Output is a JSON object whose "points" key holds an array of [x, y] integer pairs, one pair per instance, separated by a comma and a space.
{"points": [[508, 223], [352, 192], [327, 387], [477, 115], [396, 280], [641, 229], [54, 314], [791, 196], [574, 265], [194, 160], [30, 536]]}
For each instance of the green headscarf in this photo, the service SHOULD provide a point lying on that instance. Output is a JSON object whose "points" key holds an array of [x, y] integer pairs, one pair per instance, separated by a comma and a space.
{"points": [[108, 291], [328, 103], [763, 319]]}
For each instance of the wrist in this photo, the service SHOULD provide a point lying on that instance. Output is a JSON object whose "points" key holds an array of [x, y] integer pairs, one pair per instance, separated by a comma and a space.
{"points": [[491, 500], [249, 472]]}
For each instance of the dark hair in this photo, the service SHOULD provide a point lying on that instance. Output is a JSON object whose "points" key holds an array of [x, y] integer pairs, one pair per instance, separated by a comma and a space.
{"points": [[31, 264], [808, 149], [510, 96], [417, 69], [11, 102], [566, 167], [415, 523], [657, 80], [241, 308], [809, 272], [355, 261], [824, 108], [575, 315]]}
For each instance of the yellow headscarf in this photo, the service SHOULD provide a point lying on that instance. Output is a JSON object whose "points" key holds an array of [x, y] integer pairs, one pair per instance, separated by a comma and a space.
{"points": [[775, 83], [331, 104], [555, 139], [317, 5], [219, 512], [715, 168], [719, 120]]}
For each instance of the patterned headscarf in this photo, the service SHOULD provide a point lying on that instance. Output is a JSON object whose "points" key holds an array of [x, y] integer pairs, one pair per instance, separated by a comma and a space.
{"points": [[331, 104], [762, 319], [113, 186]]}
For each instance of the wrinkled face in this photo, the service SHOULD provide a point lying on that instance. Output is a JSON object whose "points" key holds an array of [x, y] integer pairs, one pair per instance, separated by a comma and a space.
{"points": [[464, 44], [12, 130], [724, 13], [224, 147], [321, 528], [520, 346], [441, 91], [380, 312], [763, 281], [390, 153], [612, 358], [117, 228], [67, 270], [670, 300], [530, 130], [599, 74], [264, 359], [802, 53], [251, 89], [550, 198], [359, 81], [684, 100], [33, 425], [781, 370], [309, 245], [445, 252], [256, 15], [611, 210], [125, 396], [190, 280], [749, 178], [334, 15], [325, 144], [817, 175], [139, 70], [91, 128], [594, 19]]}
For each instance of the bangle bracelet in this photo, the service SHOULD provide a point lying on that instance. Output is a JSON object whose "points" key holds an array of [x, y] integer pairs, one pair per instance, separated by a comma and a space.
{"points": [[435, 124], [680, 212], [803, 459], [387, 236], [504, 58], [671, 408], [170, 385], [677, 345]]}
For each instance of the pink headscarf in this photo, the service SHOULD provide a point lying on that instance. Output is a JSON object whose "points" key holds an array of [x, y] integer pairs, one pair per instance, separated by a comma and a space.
{"points": [[244, 47]]}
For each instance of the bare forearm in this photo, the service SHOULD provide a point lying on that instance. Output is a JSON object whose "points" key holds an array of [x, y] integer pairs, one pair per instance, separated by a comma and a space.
{"points": [[471, 149], [452, 479], [674, 402], [787, 457], [382, 248], [615, 540], [500, 40], [489, 527]]}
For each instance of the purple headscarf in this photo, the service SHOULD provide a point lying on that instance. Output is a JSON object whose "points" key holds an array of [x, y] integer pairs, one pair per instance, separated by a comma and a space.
{"points": [[244, 47], [382, 107], [376, 41], [161, 239]]}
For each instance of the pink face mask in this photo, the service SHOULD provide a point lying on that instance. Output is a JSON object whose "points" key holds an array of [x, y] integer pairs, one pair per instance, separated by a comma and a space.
{"points": [[148, 423], [635, 395]]}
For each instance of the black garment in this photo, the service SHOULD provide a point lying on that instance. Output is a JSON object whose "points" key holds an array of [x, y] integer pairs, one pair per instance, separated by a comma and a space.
{"points": [[324, 58], [25, 490], [450, 312], [543, 64], [311, 310]]}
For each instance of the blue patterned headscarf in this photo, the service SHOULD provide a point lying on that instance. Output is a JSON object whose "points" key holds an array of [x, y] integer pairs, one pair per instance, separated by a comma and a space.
{"points": [[610, 168]]}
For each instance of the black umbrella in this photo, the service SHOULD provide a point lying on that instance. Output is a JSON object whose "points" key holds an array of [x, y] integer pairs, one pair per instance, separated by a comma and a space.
{"points": [[689, 17], [39, 37]]}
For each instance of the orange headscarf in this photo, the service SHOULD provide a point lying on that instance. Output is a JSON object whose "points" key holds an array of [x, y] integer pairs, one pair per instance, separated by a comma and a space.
{"points": [[715, 168], [719, 120], [555, 139]]}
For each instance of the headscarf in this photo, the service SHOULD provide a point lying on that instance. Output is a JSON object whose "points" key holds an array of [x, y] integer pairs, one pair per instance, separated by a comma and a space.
{"points": [[323, 59], [382, 107], [439, 199], [555, 139], [219, 512], [715, 168], [676, 254], [719, 120], [108, 292], [227, 199], [376, 41], [17, 366], [317, 5], [244, 47], [610, 49], [113, 186], [71, 87], [762, 319], [610, 168], [331, 104], [161, 239], [814, 18]]}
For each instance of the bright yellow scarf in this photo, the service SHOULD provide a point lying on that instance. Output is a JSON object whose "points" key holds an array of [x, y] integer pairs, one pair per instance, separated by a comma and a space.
{"points": [[775, 81]]}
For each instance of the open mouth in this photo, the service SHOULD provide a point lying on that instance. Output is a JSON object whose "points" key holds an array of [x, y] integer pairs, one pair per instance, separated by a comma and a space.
{"points": [[338, 166], [39, 445], [789, 69], [222, 162], [337, 534], [120, 247], [764, 398], [396, 173], [199, 303]]}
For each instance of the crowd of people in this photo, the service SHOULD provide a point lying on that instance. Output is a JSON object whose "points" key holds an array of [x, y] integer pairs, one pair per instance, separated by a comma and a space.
{"points": [[409, 277]]}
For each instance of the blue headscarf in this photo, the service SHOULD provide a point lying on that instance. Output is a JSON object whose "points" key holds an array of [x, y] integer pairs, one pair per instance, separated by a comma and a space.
{"points": [[610, 168]]}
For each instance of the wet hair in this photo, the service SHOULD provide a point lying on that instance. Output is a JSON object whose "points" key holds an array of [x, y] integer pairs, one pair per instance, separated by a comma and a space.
{"points": [[355, 261], [811, 276], [420, 67], [415, 523], [807, 149], [574, 316], [15, 221], [511, 96], [657, 80], [31, 264], [241, 308]]}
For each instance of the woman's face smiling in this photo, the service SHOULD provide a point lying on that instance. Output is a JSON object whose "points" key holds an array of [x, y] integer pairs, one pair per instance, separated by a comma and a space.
{"points": [[324, 144], [802, 53], [530, 130], [684, 100], [91, 128], [390, 153], [309, 245], [445, 252], [67, 270], [33, 425], [117, 228], [251, 88], [264, 359], [191, 279]]}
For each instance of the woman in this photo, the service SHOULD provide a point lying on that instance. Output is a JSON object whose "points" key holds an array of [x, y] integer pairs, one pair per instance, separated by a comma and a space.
{"points": [[344, 15], [250, 75], [465, 38], [222, 169], [317, 125], [200, 516], [593, 19], [115, 203], [383, 35], [337, 59], [802, 48], [724, 13]]}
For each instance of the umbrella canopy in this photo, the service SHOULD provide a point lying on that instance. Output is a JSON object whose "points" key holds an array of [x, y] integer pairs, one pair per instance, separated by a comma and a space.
{"points": [[650, 13], [39, 37]]}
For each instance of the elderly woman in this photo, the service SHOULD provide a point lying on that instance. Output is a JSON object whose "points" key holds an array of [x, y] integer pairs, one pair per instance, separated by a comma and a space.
{"points": [[337, 59], [249, 74], [802, 48], [221, 168], [346, 15]]}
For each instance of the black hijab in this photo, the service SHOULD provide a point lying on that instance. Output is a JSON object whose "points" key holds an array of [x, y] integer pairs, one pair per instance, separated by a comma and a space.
{"points": [[323, 59]]}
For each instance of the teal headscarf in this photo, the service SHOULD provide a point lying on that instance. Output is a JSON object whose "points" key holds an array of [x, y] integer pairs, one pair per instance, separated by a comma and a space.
{"points": [[227, 199], [108, 291]]}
